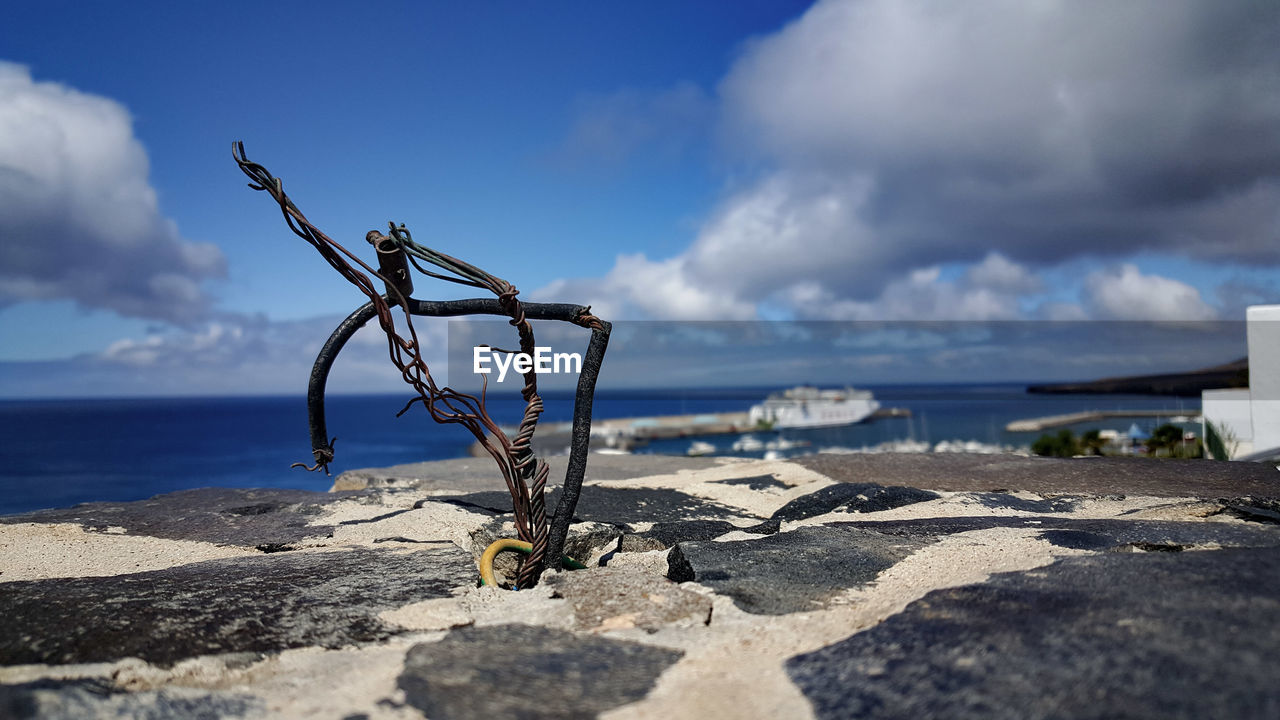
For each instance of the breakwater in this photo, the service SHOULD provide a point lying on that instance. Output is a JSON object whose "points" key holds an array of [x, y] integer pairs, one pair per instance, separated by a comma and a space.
{"points": [[631, 432], [1043, 423]]}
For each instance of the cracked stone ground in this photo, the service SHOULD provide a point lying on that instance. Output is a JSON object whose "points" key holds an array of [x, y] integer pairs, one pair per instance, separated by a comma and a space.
{"points": [[853, 586]]}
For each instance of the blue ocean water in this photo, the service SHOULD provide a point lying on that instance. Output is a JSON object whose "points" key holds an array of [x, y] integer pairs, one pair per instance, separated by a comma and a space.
{"points": [[57, 453]]}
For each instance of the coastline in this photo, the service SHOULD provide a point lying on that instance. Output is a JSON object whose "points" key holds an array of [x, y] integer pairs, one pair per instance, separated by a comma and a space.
{"points": [[63, 452], [362, 601]]}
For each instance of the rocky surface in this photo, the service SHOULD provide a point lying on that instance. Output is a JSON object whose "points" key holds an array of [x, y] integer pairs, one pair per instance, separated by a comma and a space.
{"points": [[788, 572], [246, 518], [830, 586], [530, 672], [1190, 635], [478, 473], [233, 605], [1005, 473]]}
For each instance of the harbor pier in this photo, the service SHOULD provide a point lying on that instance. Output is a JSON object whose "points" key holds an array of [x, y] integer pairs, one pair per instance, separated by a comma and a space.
{"points": [[1043, 423], [632, 432]]}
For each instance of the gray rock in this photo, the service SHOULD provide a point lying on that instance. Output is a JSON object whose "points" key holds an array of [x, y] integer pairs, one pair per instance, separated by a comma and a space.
{"points": [[80, 699], [638, 544], [1085, 476], [462, 475], [1006, 501], [628, 597], [756, 482], [591, 538], [617, 506], [1255, 510], [479, 474], [253, 604], [1087, 534], [227, 516], [667, 534], [626, 467], [519, 671], [789, 572], [851, 497], [1152, 635]]}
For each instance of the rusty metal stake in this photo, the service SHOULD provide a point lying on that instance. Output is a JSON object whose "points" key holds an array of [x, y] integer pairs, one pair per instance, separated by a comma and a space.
{"points": [[322, 447]]}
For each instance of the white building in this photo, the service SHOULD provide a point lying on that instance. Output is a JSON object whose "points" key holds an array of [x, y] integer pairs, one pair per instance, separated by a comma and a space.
{"points": [[1232, 414], [1249, 418]]}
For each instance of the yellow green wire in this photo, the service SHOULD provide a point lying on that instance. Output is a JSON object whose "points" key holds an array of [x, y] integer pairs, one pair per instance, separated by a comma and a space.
{"points": [[491, 552]]}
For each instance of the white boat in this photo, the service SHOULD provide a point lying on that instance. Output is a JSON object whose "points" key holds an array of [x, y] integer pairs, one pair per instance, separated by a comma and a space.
{"points": [[748, 443], [785, 444], [700, 448], [808, 407]]}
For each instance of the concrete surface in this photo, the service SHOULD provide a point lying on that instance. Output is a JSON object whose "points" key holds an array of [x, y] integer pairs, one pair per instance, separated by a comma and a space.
{"points": [[922, 586]]}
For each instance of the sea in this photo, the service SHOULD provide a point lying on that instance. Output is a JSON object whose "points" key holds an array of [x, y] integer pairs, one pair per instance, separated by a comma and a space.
{"points": [[57, 453]]}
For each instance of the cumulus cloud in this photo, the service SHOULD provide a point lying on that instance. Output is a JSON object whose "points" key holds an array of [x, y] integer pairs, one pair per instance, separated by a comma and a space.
{"points": [[880, 140], [755, 245], [1042, 130], [989, 290], [638, 287], [78, 217], [1124, 293]]}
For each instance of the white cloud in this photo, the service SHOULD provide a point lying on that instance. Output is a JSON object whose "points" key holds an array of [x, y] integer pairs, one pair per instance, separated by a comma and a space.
{"points": [[78, 216], [758, 243], [990, 290], [998, 273], [1124, 293], [784, 230], [1042, 130], [138, 353], [241, 354], [875, 140], [639, 288]]}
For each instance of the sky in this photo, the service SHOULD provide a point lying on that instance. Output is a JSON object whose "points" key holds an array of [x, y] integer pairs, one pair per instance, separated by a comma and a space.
{"points": [[839, 161]]}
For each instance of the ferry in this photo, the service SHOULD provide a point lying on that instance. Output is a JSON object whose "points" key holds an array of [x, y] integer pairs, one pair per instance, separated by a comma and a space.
{"points": [[809, 407]]}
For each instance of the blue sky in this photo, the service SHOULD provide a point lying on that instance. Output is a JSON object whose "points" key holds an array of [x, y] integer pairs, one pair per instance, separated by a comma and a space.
{"points": [[848, 160]]}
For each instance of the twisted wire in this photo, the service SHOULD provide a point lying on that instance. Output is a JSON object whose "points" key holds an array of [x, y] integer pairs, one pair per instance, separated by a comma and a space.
{"points": [[524, 474], [587, 320], [530, 472]]}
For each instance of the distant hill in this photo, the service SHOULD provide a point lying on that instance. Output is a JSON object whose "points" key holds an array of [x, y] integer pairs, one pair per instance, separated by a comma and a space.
{"points": [[1232, 375]]}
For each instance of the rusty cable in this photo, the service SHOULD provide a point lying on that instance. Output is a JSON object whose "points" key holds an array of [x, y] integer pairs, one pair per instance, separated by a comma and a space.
{"points": [[524, 474]]}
